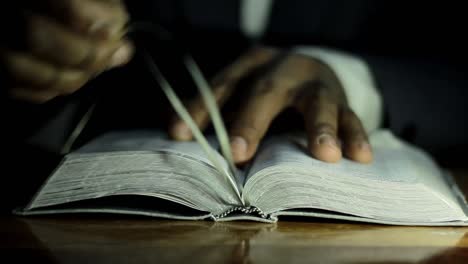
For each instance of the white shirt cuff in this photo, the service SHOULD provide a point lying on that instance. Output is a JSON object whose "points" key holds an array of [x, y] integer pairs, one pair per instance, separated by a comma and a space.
{"points": [[356, 78]]}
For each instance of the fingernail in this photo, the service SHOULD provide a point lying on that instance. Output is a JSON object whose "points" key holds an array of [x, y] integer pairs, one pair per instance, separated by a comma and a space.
{"points": [[182, 131], [364, 146], [239, 148], [327, 140], [121, 56]]}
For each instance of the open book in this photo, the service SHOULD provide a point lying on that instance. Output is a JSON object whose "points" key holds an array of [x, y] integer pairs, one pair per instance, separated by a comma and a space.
{"points": [[144, 173]]}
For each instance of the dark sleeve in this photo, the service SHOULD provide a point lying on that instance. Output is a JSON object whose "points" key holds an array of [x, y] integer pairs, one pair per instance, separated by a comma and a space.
{"points": [[44, 126]]}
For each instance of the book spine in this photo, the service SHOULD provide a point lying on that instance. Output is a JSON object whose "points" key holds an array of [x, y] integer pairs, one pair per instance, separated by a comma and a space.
{"points": [[249, 210]]}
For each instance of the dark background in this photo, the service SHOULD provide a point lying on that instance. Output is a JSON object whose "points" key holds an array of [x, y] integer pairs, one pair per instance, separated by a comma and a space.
{"points": [[416, 51]]}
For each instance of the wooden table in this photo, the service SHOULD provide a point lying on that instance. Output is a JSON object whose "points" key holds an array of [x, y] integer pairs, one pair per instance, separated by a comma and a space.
{"points": [[105, 239]]}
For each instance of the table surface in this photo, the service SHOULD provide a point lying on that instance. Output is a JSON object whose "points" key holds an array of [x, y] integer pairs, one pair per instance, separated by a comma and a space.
{"points": [[105, 239]]}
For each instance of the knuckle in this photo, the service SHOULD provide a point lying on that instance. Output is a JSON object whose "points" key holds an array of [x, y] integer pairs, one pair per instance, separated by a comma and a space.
{"points": [[73, 12], [21, 67], [329, 110], [247, 130], [323, 108], [88, 60], [276, 86], [97, 17], [99, 56], [310, 92], [198, 111], [323, 92], [323, 128], [264, 86], [69, 82], [57, 43], [92, 58]]}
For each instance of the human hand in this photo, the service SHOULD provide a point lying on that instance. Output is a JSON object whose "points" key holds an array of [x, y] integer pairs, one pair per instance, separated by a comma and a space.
{"points": [[289, 80], [63, 44]]}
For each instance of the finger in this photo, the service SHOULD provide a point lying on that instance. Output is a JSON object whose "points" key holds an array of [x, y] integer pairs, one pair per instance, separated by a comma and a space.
{"points": [[32, 95], [255, 118], [223, 85], [54, 43], [321, 121], [122, 55], [29, 71], [356, 144], [104, 19]]}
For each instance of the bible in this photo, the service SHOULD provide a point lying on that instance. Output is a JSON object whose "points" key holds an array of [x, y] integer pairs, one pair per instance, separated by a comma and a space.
{"points": [[145, 173]]}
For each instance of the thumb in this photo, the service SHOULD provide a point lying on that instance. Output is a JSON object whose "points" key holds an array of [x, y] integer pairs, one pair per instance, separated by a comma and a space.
{"points": [[122, 55]]}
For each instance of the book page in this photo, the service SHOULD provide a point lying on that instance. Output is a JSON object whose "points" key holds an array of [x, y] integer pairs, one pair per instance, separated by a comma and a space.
{"points": [[145, 140], [401, 184], [154, 140], [139, 163]]}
